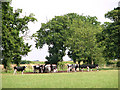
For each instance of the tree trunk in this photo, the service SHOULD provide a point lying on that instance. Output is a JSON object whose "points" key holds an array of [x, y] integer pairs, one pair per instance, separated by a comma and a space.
{"points": [[92, 62]]}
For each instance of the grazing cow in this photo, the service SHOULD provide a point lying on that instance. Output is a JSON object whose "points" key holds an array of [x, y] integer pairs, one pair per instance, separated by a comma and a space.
{"points": [[50, 68], [93, 66], [69, 67], [84, 66], [72, 67], [76, 66], [54, 68], [38, 67], [22, 68]]}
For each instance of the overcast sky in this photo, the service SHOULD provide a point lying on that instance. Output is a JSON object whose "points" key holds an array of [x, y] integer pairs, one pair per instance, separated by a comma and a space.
{"points": [[44, 10]]}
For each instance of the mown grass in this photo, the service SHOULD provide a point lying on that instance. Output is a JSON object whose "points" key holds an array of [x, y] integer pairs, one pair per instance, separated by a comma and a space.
{"points": [[100, 79]]}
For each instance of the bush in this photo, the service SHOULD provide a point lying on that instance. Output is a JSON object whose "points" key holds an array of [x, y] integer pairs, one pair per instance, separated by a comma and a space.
{"points": [[118, 64], [112, 62], [25, 62]]}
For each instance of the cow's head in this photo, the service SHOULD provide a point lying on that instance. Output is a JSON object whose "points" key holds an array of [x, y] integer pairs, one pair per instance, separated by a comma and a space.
{"points": [[24, 66], [96, 65]]}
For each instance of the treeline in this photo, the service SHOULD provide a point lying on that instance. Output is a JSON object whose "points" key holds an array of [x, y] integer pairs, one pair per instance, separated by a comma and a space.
{"points": [[84, 37]]}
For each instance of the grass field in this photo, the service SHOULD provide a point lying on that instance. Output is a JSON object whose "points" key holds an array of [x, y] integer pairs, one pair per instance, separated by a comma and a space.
{"points": [[100, 79]]}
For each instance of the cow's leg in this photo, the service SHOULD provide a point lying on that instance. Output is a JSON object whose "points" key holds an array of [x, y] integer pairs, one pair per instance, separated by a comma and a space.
{"points": [[41, 70], [14, 71], [97, 68], [74, 69], [22, 72], [49, 69], [82, 69], [88, 69], [56, 70], [68, 70], [34, 70], [91, 69]]}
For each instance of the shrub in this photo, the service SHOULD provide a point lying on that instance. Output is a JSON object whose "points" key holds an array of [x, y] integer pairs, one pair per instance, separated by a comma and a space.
{"points": [[25, 62], [118, 64]]}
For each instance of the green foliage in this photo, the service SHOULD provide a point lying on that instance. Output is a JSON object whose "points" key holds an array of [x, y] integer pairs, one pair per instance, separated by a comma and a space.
{"points": [[25, 62], [111, 34], [112, 62], [61, 65], [13, 45], [73, 32], [118, 64], [37, 62], [53, 33], [82, 42]]}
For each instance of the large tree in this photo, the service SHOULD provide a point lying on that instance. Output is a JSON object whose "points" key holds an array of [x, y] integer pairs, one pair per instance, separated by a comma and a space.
{"points": [[111, 35], [13, 45], [82, 42], [71, 32], [52, 33]]}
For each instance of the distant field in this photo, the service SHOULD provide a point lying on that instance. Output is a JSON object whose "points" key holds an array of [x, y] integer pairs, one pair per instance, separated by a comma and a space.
{"points": [[100, 79]]}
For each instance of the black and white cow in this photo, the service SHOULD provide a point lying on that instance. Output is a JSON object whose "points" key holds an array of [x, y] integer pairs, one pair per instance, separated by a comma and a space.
{"points": [[50, 68], [69, 66], [21, 68], [84, 66], [72, 67], [38, 67], [76, 66], [93, 66]]}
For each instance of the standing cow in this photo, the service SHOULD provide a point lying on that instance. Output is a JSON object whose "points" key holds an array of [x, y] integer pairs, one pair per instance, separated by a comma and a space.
{"points": [[69, 66], [21, 68], [50, 68], [38, 67], [93, 66], [72, 67], [76, 66], [84, 66]]}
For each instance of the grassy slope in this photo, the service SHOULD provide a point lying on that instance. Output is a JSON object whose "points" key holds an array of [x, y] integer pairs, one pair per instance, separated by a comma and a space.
{"points": [[101, 79]]}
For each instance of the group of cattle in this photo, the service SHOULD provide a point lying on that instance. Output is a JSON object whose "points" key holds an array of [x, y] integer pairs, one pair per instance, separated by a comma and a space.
{"points": [[74, 67], [53, 68], [40, 68]]}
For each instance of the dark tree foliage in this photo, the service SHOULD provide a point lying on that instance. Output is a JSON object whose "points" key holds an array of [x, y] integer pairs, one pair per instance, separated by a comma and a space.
{"points": [[82, 42], [110, 36], [13, 45], [53, 34], [69, 32]]}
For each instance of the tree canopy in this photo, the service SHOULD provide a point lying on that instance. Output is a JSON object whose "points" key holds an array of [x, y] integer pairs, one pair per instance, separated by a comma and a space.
{"points": [[82, 43], [111, 34], [74, 32], [13, 45]]}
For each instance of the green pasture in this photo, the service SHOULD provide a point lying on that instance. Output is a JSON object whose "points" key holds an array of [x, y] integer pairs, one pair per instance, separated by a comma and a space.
{"points": [[100, 79]]}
